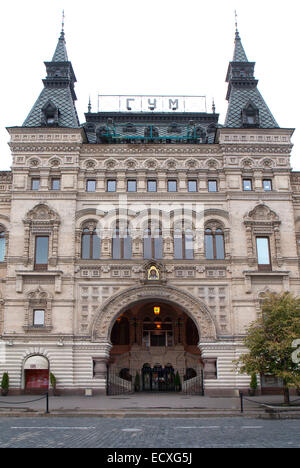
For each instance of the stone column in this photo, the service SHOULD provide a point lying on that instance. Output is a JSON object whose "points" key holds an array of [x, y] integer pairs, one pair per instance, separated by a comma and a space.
{"points": [[100, 368]]}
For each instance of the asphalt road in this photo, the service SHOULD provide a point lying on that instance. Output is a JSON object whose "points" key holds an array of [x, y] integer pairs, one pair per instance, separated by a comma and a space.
{"points": [[178, 433]]}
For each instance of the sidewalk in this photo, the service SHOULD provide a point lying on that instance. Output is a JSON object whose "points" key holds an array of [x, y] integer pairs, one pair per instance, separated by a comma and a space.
{"points": [[143, 404]]}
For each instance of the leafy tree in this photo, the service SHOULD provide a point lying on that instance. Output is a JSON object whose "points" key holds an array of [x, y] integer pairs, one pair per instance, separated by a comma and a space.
{"points": [[269, 341]]}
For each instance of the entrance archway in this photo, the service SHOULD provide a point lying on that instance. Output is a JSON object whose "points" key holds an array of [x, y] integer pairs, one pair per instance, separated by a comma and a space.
{"points": [[177, 303], [115, 306]]}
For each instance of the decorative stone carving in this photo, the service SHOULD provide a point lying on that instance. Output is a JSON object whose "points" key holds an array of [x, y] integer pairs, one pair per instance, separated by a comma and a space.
{"points": [[151, 164], [90, 164], [55, 162], [34, 162]]}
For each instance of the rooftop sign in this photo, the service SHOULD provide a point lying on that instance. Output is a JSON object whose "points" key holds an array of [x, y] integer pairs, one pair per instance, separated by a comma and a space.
{"points": [[151, 103]]}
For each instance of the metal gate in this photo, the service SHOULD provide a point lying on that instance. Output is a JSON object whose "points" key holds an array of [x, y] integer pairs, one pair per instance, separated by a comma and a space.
{"points": [[194, 385], [157, 379], [119, 382]]}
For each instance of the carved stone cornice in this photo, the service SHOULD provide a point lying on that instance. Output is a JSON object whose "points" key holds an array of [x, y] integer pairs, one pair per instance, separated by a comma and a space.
{"points": [[44, 148]]}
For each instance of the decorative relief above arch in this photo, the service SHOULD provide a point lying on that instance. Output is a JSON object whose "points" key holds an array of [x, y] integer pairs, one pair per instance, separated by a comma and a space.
{"points": [[193, 307]]}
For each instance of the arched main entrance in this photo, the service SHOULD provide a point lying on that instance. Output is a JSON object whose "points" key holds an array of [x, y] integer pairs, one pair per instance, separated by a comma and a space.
{"points": [[155, 333]]}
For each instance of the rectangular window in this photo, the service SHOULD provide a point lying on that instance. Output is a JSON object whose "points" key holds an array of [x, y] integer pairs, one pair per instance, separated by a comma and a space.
{"points": [[41, 252], [172, 185], [35, 184], [131, 186], [247, 185], [91, 186], [152, 186], [192, 186], [212, 186], [55, 184], [111, 185], [39, 318], [263, 253], [267, 185]]}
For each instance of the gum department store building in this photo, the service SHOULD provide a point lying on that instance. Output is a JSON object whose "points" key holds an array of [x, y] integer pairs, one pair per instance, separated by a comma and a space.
{"points": [[142, 242]]}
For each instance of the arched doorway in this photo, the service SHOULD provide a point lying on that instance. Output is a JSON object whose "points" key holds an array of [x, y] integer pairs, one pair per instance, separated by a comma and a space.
{"points": [[36, 374], [154, 346], [151, 339]]}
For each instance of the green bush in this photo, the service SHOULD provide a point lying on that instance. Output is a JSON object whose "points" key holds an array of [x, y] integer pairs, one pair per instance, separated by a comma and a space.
{"points": [[53, 380], [5, 381]]}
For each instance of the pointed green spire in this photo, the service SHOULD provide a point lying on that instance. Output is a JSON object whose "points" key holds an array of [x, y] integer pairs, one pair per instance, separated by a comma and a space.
{"points": [[239, 54], [60, 54]]}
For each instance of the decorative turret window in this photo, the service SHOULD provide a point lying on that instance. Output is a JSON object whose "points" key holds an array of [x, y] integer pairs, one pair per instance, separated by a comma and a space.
{"points": [[250, 115], [50, 114]]}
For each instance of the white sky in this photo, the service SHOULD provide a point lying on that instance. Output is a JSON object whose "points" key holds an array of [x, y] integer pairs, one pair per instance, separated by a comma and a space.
{"points": [[142, 47]]}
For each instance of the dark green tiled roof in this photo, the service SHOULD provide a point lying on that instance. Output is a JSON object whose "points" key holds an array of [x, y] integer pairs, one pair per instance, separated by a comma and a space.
{"points": [[60, 54], [239, 52], [243, 91], [62, 99], [58, 91], [239, 98]]}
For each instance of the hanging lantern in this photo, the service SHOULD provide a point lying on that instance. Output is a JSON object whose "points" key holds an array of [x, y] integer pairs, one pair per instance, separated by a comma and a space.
{"points": [[156, 310]]}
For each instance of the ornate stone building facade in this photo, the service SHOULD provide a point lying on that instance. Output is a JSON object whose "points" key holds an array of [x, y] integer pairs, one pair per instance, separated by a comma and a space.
{"points": [[142, 243]]}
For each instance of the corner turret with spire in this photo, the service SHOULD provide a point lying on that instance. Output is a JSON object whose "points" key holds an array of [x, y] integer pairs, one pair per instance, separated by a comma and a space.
{"points": [[55, 107], [246, 107]]}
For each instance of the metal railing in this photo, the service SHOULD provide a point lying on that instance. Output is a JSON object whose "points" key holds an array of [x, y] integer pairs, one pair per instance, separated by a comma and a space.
{"points": [[11, 404], [263, 404]]}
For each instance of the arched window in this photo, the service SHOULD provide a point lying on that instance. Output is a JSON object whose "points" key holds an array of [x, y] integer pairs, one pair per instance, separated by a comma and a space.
{"points": [[2, 246], [91, 245], [121, 243], [153, 244], [214, 244], [183, 244]]}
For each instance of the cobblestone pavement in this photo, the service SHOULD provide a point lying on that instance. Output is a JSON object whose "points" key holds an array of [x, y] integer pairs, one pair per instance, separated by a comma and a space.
{"points": [[147, 433]]}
